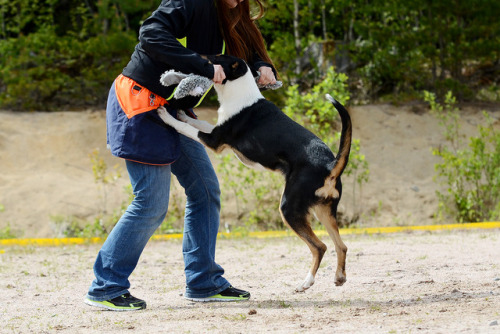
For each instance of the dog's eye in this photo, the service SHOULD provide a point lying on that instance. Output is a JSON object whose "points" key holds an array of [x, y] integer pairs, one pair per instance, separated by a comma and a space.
{"points": [[234, 66]]}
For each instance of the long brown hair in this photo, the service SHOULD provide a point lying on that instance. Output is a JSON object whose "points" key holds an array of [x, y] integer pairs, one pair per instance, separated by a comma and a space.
{"points": [[243, 38]]}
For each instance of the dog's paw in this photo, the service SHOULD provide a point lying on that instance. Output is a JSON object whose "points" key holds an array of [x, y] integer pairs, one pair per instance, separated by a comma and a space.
{"points": [[181, 116], [164, 115], [300, 288], [340, 280], [308, 282], [303, 287]]}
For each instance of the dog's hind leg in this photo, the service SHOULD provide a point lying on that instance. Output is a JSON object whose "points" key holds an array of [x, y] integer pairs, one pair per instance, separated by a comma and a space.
{"points": [[297, 217], [324, 212]]}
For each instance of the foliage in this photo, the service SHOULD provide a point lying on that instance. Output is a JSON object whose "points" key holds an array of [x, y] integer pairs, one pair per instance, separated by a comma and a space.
{"points": [[396, 46], [102, 177], [313, 109], [74, 227], [7, 233], [65, 54], [61, 54], [254, 194], [470, 173], [43, 71], [103, 223]]}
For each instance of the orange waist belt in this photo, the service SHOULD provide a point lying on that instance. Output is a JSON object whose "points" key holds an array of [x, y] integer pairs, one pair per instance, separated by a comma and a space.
{"points": [[134, 98]]}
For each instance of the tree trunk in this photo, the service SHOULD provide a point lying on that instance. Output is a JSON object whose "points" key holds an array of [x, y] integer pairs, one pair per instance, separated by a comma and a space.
{"points": [[311, 16], [323, 19], [296, 34]]}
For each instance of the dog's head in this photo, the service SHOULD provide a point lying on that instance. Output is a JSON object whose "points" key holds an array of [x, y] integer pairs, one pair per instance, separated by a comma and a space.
{"points": [[239, 87], [234, 67]]}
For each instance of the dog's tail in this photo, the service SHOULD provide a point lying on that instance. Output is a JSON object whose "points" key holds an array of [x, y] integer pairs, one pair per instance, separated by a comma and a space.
{"points": [[345, 138]]}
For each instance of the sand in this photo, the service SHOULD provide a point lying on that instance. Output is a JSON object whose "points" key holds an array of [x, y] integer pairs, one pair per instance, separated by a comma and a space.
{"points": [[440, 282]]}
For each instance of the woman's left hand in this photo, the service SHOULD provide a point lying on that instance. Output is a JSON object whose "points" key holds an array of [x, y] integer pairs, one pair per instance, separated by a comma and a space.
{"points": [[266, 76]]}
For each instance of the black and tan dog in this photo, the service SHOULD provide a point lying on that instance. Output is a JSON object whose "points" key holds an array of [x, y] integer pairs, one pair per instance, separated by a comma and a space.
{"points": [[262, 136]]}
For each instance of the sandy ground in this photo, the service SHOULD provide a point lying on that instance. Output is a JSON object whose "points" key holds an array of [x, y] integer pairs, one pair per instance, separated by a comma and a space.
{"points": [[440, 282], [46, 171]]}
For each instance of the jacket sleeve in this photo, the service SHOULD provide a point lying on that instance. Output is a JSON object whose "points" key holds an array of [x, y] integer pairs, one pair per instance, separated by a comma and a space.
{"points": [[159, 33], [257, 63]]}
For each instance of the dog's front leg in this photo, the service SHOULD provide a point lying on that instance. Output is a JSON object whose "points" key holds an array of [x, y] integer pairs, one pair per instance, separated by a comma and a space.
{"points": [[181, 127], [200, 125]]}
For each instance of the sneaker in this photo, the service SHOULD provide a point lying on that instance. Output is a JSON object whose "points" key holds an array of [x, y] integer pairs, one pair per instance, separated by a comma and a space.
{"points": [[125, 302], [229, 295]]}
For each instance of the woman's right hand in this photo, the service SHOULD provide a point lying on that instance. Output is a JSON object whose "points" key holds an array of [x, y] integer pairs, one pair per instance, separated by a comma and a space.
{"points": [[219, 74]]}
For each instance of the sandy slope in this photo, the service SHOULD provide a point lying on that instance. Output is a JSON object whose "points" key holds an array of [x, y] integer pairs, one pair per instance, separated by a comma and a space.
{"points": [[45, 169]]}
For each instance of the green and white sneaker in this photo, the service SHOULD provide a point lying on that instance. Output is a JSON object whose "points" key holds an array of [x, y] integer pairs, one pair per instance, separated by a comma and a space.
{"points": [[229, 295], [125, 302]]}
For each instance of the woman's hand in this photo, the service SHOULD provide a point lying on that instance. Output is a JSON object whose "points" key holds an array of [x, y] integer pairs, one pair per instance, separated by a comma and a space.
{"points": [[266, 76], [219, 74]]}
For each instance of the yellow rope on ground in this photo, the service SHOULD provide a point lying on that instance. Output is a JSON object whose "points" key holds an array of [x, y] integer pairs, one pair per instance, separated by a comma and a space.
{"points": [[260, 235]]}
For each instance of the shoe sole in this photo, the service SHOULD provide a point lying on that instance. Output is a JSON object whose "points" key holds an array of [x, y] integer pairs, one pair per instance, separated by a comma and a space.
{"points": [[213, 300], [112, 308]]}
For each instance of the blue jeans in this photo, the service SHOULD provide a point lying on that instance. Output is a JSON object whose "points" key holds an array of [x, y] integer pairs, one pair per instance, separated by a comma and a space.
{"points": [[120, 252]]}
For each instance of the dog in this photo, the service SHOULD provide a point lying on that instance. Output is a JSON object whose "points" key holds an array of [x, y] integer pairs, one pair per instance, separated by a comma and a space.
{"points": [[263, 137]]}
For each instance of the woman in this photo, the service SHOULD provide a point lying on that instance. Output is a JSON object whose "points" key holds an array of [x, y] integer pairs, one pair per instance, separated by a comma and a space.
{"points": [[153, 150]]}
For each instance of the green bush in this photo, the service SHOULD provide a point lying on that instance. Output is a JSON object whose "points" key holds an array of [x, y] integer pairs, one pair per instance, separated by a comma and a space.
{"points": [[470, 173], [7, 233], [254, 195], [313, 110], [64, 54], [42, 71]]}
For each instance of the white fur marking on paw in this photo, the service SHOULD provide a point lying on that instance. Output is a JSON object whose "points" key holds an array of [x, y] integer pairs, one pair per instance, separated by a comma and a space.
{"points": [[182, 128], [203, 126], [308, 282], [181, 115]]}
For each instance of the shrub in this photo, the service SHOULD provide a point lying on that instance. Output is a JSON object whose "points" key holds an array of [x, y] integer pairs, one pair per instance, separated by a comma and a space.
{"points": [[470, 173], [7, 233], [254, 194], [43, 71]]}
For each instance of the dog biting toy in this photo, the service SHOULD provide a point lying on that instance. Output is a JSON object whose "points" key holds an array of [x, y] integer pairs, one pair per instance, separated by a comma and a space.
{"points": [[197, 85], [192, 88]]}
